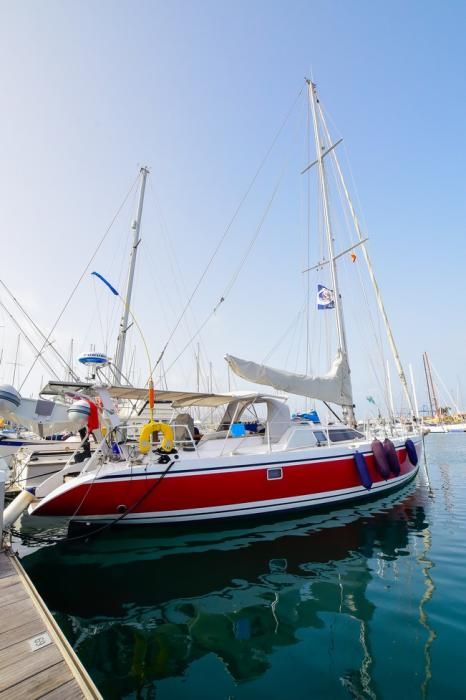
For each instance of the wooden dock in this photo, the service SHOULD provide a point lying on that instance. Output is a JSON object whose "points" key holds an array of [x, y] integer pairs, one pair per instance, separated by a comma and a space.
{"points": [[36, 660]]}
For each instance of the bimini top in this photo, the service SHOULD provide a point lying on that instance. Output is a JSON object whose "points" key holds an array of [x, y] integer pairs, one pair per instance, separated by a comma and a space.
{"points": [[176, 398]]}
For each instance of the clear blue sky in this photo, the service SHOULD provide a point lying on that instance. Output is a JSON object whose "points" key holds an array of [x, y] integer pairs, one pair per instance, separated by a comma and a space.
{"points": [[197, 90]]}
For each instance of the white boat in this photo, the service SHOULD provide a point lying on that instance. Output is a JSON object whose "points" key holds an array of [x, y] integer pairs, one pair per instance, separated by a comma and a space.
{"points": [[35, 453], [236, 471], [40, 416], [441, 420]]}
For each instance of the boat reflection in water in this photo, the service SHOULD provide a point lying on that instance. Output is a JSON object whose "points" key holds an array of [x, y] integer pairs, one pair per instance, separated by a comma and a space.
{"points": [[143, 608]]}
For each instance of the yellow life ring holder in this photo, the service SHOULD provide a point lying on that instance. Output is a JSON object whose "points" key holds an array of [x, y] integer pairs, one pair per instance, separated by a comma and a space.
{"points": [[153, 427]]}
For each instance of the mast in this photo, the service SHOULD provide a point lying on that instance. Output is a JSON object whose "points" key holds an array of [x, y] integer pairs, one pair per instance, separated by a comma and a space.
{"points": [[430, 387], [348, 412], [413, 387], [70, 362], [136, 225], [15, 363], [378, 296], [390, 394]]}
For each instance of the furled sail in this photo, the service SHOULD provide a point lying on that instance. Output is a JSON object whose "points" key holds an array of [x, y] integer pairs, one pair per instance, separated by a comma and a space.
{"points": [[335, 386]]}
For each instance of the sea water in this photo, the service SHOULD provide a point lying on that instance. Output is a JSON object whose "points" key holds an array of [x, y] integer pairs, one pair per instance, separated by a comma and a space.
{"points": [[362, 602]]}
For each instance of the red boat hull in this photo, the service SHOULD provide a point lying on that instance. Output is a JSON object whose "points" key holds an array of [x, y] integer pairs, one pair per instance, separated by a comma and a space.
{"points": [[225, 490]]}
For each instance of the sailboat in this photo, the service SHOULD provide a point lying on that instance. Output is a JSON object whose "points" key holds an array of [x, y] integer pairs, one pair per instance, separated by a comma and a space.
{"points": [[244, 467], [52, 443], [440, 420]]}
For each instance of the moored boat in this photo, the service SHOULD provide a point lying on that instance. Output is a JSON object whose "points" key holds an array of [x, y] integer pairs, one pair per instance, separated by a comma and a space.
{"points": [[226, 476], [175, 475]]}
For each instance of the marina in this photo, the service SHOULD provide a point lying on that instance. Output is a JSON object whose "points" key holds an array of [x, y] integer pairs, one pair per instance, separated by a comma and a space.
{"points": [[336, 600], [36, 660], [232, 416]]}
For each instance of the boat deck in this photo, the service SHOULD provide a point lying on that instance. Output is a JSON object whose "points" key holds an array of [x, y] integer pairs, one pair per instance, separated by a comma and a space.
{"points": [[36, 660]]}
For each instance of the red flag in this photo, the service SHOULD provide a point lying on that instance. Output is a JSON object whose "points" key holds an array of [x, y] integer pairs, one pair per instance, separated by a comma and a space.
{"points": [[93, 420]]}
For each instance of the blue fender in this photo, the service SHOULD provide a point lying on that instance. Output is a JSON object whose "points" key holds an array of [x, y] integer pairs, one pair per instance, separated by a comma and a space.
{"points": [[411, 450], [363, 471]]}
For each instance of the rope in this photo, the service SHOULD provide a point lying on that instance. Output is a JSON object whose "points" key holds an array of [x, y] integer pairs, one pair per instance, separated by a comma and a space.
{"points": [[81, 277], [67, 540]]}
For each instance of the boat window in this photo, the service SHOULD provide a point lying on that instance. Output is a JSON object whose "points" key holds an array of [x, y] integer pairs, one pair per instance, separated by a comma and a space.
{"points": [[275, 473], [341, 434], [320, 436]]}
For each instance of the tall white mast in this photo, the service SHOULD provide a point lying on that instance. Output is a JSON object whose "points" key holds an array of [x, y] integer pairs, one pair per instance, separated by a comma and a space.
{"points": [[378, 296], [348, 411], [136, 225], [69, 376], [390, 394], [15, 363], [413, 387]]}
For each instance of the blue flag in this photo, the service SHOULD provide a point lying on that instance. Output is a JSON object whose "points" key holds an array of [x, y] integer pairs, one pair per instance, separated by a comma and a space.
{"points": [[325, 297]]}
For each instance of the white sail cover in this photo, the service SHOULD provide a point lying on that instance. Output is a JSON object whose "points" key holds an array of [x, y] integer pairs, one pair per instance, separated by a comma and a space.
{"points": [[335, 386]]}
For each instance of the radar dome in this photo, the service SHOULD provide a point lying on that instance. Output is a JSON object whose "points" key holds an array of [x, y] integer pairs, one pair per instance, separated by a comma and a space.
{"points": [[10, 399]]}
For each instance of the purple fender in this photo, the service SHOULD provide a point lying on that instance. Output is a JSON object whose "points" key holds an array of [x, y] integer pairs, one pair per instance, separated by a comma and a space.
{"points": [[392, 457], [380, 458]]}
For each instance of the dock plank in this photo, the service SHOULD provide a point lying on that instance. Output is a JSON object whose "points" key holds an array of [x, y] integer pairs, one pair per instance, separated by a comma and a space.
{"points": [[18, 662], [40, 684], [69, 691], [13, 593], [18, 614], [32, 667], [6, 582], [19, 634], [6, 567]]}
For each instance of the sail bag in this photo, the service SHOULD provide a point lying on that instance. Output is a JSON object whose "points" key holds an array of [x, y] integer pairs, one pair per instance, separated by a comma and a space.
{"points": [[335, 386]]}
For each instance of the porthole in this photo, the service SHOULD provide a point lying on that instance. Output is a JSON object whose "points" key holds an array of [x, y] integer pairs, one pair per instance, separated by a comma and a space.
{"points": [[275, 473]]}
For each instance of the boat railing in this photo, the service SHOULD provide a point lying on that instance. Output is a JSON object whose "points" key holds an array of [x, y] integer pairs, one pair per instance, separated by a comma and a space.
{"points": [[390, 429], [124, 445]]}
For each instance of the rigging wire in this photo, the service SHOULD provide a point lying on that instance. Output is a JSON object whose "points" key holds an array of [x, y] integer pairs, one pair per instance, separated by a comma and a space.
{"points": [[376, 327], [292, 325], [177, 276], [36, 327], [81, 277], [235, 275], [228, 228], [38, 352]]}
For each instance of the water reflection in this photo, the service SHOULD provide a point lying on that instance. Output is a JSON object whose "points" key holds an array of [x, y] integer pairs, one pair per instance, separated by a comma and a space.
{"points": [[141, 606]]}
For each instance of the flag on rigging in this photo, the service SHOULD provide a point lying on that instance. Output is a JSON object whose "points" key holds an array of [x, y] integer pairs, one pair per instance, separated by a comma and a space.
{"points": [[325, 297]]}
